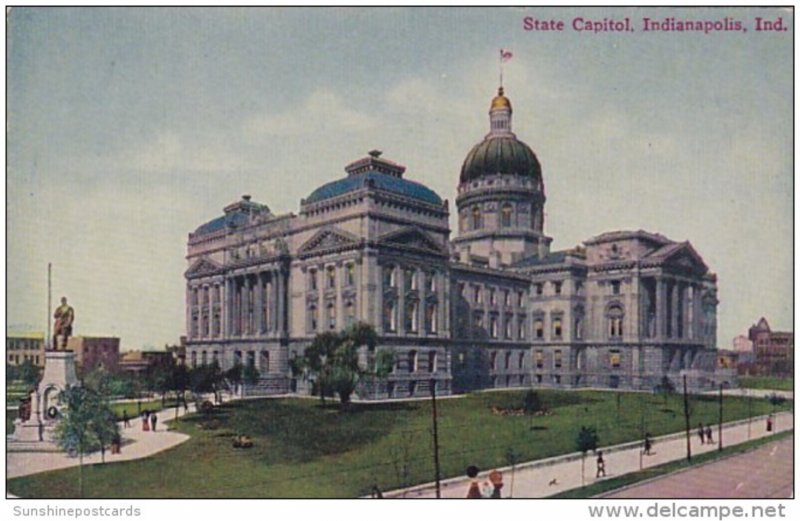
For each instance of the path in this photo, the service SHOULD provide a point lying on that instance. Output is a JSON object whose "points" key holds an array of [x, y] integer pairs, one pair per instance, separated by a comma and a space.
{"points": [[762, 473], [551, 476], [136, 444]]}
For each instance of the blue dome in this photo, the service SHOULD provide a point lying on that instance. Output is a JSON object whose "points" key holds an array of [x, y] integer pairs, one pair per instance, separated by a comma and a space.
{"points": [[231, 219], [396, 185]]}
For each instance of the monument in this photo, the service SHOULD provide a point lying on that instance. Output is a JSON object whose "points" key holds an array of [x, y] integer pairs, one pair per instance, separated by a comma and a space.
{"points": [[42, 408]]}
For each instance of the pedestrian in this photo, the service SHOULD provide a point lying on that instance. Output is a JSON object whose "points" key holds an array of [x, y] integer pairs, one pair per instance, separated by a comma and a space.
{"points": [[701, 431], [125, 421], [153, 420], [648, 443], [145, 421], [116, 444], [474, 491], [709, 434], [496, 479], [601, 464], [769, 423]]}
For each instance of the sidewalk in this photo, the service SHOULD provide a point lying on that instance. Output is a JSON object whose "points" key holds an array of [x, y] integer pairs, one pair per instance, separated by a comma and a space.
{"points": [[136, 444], [543, 478]]}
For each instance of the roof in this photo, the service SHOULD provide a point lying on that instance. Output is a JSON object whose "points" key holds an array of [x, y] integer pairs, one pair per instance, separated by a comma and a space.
{"points": [[373, 179], [500, 155], [556, 257], [222, 222]]}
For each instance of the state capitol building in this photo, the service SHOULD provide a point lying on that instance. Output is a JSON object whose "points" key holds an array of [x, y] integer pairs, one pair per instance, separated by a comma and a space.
{"points": [[492, 307]]}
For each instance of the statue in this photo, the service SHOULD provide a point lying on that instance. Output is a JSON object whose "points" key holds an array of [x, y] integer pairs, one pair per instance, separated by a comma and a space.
{"points": [[64, 317]]}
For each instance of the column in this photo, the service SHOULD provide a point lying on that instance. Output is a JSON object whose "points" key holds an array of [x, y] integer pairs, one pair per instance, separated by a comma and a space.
{"points": [[339, 284], [401, 300], [259, 304], [698, 313], [674, 310], [661, 308], [281, 302], [188, 311]]}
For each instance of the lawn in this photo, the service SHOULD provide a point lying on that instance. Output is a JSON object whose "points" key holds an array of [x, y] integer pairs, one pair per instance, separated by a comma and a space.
{"points": [[766, 382], [304, 450]]}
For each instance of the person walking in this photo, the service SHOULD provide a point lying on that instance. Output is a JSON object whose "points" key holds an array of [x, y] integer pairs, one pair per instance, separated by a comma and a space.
{"points": [[701, 431], [146, 421], [648, 443], [474, 491], [601, 464], [769, 423], [709, 434], [125, 420], [153, 420]]}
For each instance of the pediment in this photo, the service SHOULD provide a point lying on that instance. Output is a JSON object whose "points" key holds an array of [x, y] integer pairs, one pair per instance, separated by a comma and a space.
{"points": [[686, 258], [201, 267], [412, 238], [326, 240]]}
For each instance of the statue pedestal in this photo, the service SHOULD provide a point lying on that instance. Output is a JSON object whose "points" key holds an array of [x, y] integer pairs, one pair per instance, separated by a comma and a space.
{"points": [[59, 373]]}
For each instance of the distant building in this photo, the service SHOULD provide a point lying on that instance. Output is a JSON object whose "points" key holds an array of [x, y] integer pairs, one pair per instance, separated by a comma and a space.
{"points": [[774, 350], [138, 362], [742, 344], [25, 346], [94, 352]]}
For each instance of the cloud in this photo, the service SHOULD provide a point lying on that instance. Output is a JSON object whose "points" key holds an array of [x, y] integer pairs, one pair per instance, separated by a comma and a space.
{"points": [[323, 110]]}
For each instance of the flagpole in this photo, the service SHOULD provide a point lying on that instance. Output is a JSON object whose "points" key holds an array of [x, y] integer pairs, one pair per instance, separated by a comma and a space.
{"points": [[49, 302]]}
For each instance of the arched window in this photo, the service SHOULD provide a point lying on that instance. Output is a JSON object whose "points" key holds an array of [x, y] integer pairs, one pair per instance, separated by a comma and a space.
{"points": [[389, 279], [476, 218], [508, 360], [430, 317], [506, 213], [313, 318], [411, 316], [615, 315], [331, 310], [432, 362], [390, 316], [350, 312], [203, 358]]}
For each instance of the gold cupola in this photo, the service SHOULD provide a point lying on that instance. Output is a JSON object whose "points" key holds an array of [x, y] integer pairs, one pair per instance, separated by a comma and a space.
{"points": [[500, 101]]}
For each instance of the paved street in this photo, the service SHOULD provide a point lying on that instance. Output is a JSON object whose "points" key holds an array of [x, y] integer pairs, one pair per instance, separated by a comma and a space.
{"points": [[763, 473], [548, 477], [136, 444]]}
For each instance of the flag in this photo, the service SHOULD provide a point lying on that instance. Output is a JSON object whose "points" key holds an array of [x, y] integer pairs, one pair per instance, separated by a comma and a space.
{"points": [[505, 55]]}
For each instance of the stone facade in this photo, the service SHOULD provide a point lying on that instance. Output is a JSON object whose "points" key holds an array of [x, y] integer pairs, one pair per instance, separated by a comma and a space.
{"points": [[25, 346], [494, 307]]}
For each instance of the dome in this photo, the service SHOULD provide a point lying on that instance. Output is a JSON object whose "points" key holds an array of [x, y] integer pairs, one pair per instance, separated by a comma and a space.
{"points": [[500, 101], [379, 180], [500, 155]]}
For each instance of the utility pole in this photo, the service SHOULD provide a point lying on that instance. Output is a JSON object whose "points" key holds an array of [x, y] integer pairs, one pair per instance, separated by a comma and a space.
{"points": [[720, 418], [749, 412], [435, 439], [686, 415], [641, 430]]}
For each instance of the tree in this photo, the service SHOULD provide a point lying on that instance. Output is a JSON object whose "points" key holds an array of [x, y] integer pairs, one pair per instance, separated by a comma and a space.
{"points": [[665, 388], [334, 358], [207, 378], [29, 373], [87, 423], [233, 376], [250, 374], [180, 382], [157, 380], [533, 403], [587, 440]]}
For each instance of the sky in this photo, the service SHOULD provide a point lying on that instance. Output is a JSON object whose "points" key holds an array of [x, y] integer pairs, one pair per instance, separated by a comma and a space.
{"points": [[127, 128]]}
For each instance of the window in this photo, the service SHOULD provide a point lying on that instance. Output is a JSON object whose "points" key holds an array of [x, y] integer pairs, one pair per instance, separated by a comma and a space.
{"points": [[578, 328], [432, 362], [538, 328], [615, 287], [493, 360], [614, 358], [312, 280], [194, 358], [263, 362], [412, 361], [557, 327], [539, 288], [521, 299], [350, 274], [509, 326], [557, 287], [492, 297], [410, 276], [215, 356], [508, 360], [506, 298], [493, 326], [331, 276], [411, 316], [615, 315], [390, 316], [478, 319], [505, 215], [557, 360], [578, 286], [331, 312], [477, 296], [203, 358], [313, 318], [539, 359], [430, 317], [521, 327], [521, 360], [350, 313], [476, 218]]}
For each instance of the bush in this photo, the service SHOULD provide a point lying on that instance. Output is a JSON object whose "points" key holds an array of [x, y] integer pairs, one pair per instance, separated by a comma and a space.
{"points": [[532, 402]]}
